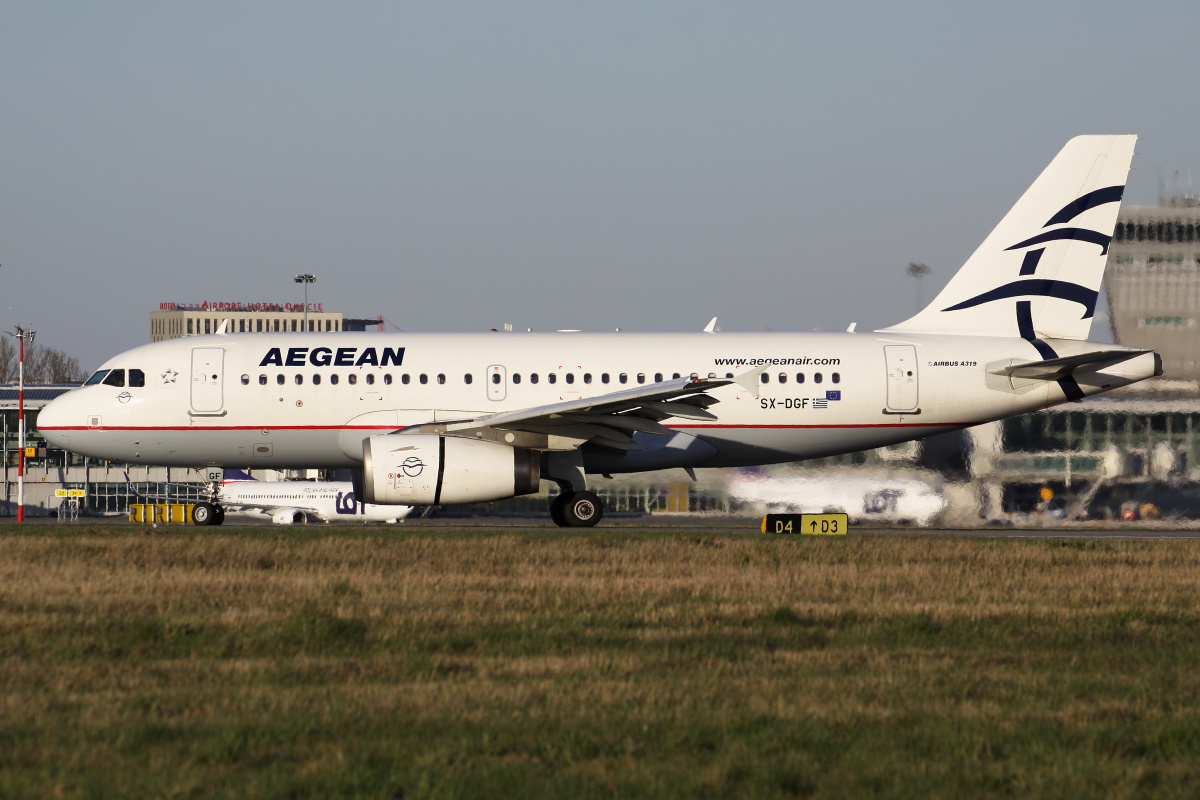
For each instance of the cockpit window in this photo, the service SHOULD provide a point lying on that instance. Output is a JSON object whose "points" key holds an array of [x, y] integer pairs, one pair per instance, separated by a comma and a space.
{"points": [[115, 377], [137, 377], [96, 378]]}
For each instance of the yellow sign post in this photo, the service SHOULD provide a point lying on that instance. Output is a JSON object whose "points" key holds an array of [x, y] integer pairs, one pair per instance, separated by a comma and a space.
{"points": [[807, 524]]}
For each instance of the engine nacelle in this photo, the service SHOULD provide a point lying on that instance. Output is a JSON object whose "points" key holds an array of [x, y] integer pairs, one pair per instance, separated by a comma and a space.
{"points": [[426, 469], [289, 516]]}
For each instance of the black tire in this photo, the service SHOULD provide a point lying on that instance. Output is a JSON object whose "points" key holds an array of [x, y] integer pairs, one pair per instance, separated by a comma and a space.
{"points": [[218, 515], [583, 510], [203, 513], [557, 509]]}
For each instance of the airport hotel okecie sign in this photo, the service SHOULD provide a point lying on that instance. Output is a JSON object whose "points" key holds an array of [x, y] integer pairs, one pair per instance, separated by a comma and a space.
{"points": [[210, 305]]}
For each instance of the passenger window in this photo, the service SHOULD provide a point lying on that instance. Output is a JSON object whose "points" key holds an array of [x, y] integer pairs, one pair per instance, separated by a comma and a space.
{"points": [[245, 380], [570, 377], [799, 377], [658, 377], [495, 377], [516, 377], [641, 377], [441, 378], [279, 379], [764, 378], [729, 375], [712, 375], [115, 378], [836, 377], [316, 379], [424, 379], [404, 379], [533, 378], [351, 379], [816, 377], [262, 380], [783, 377], [333, 379], [299, 379], [675, 376], [467, 378], [137, 378], [551, 378], [623, 378], [587, 377], [96, 377], [604, 377], [387, 379], [370, 378]]}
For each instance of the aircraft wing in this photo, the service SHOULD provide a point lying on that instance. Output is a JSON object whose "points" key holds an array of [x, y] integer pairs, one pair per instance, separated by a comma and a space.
{"points": [[1053, 369], [609, 419]]}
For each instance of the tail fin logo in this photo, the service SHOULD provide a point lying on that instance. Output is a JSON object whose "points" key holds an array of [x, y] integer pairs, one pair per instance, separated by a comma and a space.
{"points": [[1063, 290]]}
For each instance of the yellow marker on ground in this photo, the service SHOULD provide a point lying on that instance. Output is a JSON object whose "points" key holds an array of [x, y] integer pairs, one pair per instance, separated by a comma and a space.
{"points": [[808, 524]]}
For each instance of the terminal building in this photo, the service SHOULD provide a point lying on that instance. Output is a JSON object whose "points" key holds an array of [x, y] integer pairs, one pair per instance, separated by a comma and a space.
{"points": [[1153, 283], [173, 320]]}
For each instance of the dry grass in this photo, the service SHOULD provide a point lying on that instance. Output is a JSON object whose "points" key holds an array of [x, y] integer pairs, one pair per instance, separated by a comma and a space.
{"points": [[439, 664]]}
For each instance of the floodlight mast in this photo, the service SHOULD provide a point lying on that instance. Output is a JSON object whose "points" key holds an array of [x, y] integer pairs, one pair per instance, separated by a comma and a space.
{"points": [[21, 335], [306, 279]]}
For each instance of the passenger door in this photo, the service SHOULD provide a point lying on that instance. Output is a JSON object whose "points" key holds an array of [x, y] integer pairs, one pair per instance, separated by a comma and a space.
{"points": [[207, 365], [902, 385]]}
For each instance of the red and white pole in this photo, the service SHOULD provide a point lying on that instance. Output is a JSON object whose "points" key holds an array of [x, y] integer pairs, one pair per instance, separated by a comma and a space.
{"points": [[21, 429]]}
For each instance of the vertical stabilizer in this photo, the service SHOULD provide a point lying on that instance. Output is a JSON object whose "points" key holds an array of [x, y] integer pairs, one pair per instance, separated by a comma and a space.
{"points": [[1038, 274]]}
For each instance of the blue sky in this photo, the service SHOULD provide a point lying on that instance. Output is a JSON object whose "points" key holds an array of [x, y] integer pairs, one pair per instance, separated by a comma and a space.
{"points": [[456, 166]]}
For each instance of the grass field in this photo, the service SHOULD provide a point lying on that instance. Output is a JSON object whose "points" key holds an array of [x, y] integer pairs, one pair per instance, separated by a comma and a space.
{"points": [[606, 663]]}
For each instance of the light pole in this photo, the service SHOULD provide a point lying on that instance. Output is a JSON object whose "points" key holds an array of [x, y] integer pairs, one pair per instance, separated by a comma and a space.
{"points": [[21, 335], [918, 271], [306, 279]]}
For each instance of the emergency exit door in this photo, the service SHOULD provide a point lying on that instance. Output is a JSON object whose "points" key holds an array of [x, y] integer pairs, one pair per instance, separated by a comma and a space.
{"points": [[497, 382], [902, 385], [206, 379]]}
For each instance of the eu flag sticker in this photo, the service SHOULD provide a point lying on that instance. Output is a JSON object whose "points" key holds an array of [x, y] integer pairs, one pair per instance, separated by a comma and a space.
{"points": [[833, 394]]}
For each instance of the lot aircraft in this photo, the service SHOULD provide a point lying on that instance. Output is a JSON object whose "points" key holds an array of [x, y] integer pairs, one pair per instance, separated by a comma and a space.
{"points": [[438, 419], [288, 502]]}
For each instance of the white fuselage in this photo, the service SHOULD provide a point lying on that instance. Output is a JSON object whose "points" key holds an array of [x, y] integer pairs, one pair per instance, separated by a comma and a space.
{"points": [[328, 501], [308, 400]]}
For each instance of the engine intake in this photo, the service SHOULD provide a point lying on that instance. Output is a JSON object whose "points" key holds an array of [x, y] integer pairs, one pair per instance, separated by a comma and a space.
{"points": [[425, 469]]}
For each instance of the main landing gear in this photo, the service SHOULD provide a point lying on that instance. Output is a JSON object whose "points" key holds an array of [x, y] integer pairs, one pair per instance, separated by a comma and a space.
{"points": [[576, 509]]}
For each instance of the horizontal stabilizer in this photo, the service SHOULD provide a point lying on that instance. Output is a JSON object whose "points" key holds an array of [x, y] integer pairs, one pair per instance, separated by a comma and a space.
{"points": [[1053, 369]]}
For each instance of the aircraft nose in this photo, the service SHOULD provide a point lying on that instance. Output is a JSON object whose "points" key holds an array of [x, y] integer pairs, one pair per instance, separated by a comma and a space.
{"points": [[52, 422]]}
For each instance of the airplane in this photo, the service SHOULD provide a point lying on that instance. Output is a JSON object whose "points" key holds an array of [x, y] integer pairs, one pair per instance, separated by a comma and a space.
{"points": [[438, 419], [288, 502], [865, 498]]}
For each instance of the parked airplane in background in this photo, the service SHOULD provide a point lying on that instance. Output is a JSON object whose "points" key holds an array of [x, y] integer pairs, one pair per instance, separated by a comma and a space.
{"points": [[437, 419], [864, 498], [289, 502]]}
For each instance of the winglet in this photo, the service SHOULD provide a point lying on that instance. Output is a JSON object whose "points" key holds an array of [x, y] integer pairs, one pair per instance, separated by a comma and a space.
{"points": [[711, 327], [221, 328], [851, 328]]}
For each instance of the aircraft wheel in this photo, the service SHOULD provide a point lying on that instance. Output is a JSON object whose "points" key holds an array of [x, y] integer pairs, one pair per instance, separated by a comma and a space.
{"points": [[557, 506], [218, 515], [203, 513], [583, 510]]}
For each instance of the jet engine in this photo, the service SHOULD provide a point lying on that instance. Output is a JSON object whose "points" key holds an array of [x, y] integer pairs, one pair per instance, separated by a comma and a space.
{"points": [[289, 516], [426, 469]]}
